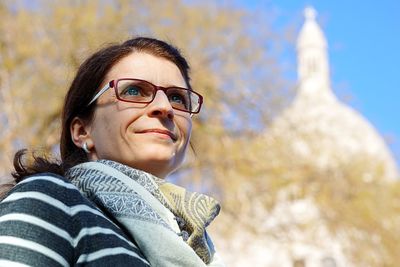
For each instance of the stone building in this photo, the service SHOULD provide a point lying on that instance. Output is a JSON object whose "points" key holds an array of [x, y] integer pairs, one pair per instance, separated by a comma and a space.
{"points": [[319, 129]]}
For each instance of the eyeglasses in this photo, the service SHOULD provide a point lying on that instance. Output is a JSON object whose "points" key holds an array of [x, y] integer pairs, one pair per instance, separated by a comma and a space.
{"points": [[144, 92]]}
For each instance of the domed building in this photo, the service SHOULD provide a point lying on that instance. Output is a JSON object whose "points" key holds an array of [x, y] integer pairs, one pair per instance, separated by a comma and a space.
{"points": [[319, 128], [320, 131]]}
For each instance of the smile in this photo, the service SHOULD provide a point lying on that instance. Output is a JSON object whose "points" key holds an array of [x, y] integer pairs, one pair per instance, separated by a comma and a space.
{"points": [[162, 132]]}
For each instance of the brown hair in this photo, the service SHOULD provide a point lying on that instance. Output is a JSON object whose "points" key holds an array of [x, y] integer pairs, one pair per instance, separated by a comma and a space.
{"points": [[85, 85]]}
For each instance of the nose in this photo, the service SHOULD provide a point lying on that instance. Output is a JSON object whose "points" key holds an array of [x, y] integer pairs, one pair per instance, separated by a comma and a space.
{"points": [[160, 106]]}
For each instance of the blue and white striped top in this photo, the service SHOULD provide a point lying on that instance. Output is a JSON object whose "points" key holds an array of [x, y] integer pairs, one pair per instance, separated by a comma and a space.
{"points": [[45, 221]]}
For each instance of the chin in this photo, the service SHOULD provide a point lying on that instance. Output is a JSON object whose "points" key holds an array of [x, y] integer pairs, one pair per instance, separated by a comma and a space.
{"points": [[157, 159], [156, 166], [158, 152]]}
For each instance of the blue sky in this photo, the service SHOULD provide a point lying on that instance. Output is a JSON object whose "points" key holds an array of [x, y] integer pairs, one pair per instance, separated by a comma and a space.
{"points": [[364, 50]]}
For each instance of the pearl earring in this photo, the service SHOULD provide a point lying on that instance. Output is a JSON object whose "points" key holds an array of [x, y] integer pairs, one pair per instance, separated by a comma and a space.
{"points": [[85, 148]]}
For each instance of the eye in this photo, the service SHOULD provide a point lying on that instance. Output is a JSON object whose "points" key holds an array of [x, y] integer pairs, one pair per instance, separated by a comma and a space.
{"points": [[132, 90], [135, 90], [177, 98]]}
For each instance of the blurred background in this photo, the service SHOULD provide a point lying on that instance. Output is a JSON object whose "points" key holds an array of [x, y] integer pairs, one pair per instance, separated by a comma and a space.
{"points": [[299, 135]]}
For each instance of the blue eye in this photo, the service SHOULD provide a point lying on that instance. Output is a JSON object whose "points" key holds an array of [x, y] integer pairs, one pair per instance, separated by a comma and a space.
{"points": [[179, 100], [176, 98], [132, 90]]}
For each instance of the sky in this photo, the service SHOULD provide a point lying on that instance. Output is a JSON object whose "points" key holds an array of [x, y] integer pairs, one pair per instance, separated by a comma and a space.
{"points": [[364, 53]]}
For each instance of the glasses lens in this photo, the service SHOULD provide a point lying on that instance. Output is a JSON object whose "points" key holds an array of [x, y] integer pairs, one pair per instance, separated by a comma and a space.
{"points": [[183, 99], [135, 90], [143, 92]]}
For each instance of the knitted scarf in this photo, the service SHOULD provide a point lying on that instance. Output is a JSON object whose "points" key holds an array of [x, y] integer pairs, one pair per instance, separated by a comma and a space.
{"points": [[139, 202]]}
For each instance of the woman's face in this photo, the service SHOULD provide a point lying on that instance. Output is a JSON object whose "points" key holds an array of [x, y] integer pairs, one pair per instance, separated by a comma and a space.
{"points": [[151, 137]]}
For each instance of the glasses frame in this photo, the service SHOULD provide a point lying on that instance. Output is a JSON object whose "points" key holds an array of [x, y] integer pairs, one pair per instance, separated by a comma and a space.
{"points": [[114, 84]]}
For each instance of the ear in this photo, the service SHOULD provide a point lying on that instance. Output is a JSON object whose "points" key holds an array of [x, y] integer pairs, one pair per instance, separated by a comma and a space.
{"points": [[80, 133]]}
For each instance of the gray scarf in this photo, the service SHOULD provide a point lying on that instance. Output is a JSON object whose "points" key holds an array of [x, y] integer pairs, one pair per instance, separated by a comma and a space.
{"points": [[137, 201]]}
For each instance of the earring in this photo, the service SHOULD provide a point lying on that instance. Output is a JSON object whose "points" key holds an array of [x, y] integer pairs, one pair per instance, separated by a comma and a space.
{"points": [[85, 148]]}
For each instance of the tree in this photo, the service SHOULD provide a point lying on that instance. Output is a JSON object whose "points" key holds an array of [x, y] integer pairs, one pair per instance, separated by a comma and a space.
{"points": [[236, 67], [43, 43]]}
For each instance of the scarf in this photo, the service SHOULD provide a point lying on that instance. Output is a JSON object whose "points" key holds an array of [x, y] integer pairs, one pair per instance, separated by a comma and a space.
{"points": [[140, 202]]}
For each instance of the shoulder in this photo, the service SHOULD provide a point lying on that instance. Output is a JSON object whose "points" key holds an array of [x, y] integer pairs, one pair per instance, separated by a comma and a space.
{"points": [[44, 198], [54, 199], [44, 189], [47, 218], [43, 180], [35, 221]]}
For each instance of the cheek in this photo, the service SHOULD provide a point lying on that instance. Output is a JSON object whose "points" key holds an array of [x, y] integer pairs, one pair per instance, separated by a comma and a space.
{"points": [[106, 126], [127, 117], [102, 129], [118, 120]]}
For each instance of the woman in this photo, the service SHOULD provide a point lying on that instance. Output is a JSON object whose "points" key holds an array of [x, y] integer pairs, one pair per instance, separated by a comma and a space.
{"points": [[126, 125]]}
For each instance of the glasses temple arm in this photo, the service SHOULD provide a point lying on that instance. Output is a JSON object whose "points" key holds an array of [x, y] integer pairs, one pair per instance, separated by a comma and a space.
{"points": [[105, 88]]}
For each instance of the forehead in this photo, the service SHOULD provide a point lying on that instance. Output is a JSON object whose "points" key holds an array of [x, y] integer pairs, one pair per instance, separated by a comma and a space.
{"points": [[156, 70]]}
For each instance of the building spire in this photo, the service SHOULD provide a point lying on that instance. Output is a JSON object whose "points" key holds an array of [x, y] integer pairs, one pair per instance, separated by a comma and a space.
{"points": [[310, 13], [312, 57]]}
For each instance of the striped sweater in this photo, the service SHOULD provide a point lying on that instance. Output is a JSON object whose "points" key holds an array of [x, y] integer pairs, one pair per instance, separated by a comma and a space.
{"points": [[45, 221]]}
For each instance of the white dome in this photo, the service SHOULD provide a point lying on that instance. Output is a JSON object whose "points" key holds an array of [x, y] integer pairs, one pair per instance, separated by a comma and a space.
{"points": [[319, 127], [330, 133]]}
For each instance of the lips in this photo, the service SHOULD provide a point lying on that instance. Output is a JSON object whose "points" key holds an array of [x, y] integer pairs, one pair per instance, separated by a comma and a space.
{"points": [[161, 131]]}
